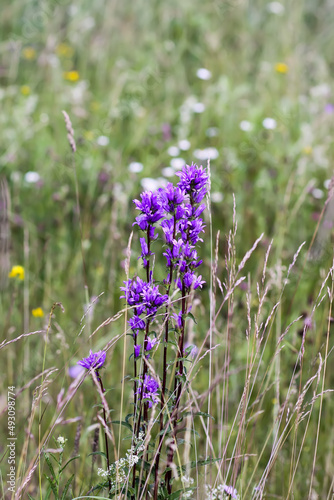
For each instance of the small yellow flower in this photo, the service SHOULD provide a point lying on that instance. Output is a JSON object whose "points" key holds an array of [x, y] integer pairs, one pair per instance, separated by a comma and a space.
{"points": [[25, 90], [71, 76], [17, 272], [281, 67], [29, 53], [88, 135], [64, 50], [38, 312], [95, 106], [307, 150]]}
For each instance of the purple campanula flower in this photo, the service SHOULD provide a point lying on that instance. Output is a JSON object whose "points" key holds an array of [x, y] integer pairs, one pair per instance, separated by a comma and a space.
{"points": [[150, 343], [144, 251], [137, 349], [150, 390], [151, 210], [329, 108], [137, 323], [94, 360], [190, 280], [190, 350], [229, 490], [153, 299], [75, 371], [171, 197], [168, 229], [133, 290], [193, 180], [178, 319]]}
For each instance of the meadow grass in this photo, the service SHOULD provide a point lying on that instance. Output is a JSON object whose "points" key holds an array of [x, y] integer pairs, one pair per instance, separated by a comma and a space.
{"points": [[127, 74]]}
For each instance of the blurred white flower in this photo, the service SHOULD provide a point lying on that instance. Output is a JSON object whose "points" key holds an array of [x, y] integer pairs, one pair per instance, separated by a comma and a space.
{"points": [[217, 197], [212, 132], [269, 123], [32, 177], [317, 193], [135, 167], [177, 163], [168, 172], [246, 126], [102, 140], [327, 183], [203, 74], [321, 90], [184, 145], [77, 92], [206, 154], [275, 8], [44, 118], [173, 151], [87, 23], [150, 184], [198, 107]]}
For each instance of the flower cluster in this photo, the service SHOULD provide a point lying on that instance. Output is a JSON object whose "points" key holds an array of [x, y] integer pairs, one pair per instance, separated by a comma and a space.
{"points": [[146, 300], [94, 360], [177, 211], [222, 492], [149, 391], [119, 471]]}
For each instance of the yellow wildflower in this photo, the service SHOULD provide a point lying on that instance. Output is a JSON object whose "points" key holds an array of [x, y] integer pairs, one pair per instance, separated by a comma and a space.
{"points": [[64, 50], [38, 312], [307, 150], [281, 67], [25, 90], [88, 135], [95, 106], [17, 272], [29, 53], [72, 76]]}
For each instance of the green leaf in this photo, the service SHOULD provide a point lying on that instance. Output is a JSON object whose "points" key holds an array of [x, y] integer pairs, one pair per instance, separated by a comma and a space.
{"points": [[67, 485], [190, 315], [70, 460], [48, 461], [53, 485], [126, 424]]}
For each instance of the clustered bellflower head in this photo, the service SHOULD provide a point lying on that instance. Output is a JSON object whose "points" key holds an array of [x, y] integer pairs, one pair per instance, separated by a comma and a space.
{"points": [[94, 360], [149, 391], [177, 211]]}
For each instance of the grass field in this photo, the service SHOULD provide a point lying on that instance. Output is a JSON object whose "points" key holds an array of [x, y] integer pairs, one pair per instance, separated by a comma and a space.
{"points": [[150, 87]]}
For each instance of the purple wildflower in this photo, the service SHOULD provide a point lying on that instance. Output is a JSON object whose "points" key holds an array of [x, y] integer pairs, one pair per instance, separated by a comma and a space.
{"points": [[190, 350], [193, 180], [150, 343], [75, 371], [136, 323], [150, 390], [94, 360], [153, 299], [151, 210], [171, 197], [137, 349], [230, 491]]}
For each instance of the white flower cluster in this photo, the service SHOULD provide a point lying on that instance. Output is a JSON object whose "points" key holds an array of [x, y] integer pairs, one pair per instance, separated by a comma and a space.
{"points": [[61, 441], [222, 492], [119, 471], [187, 481]]}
